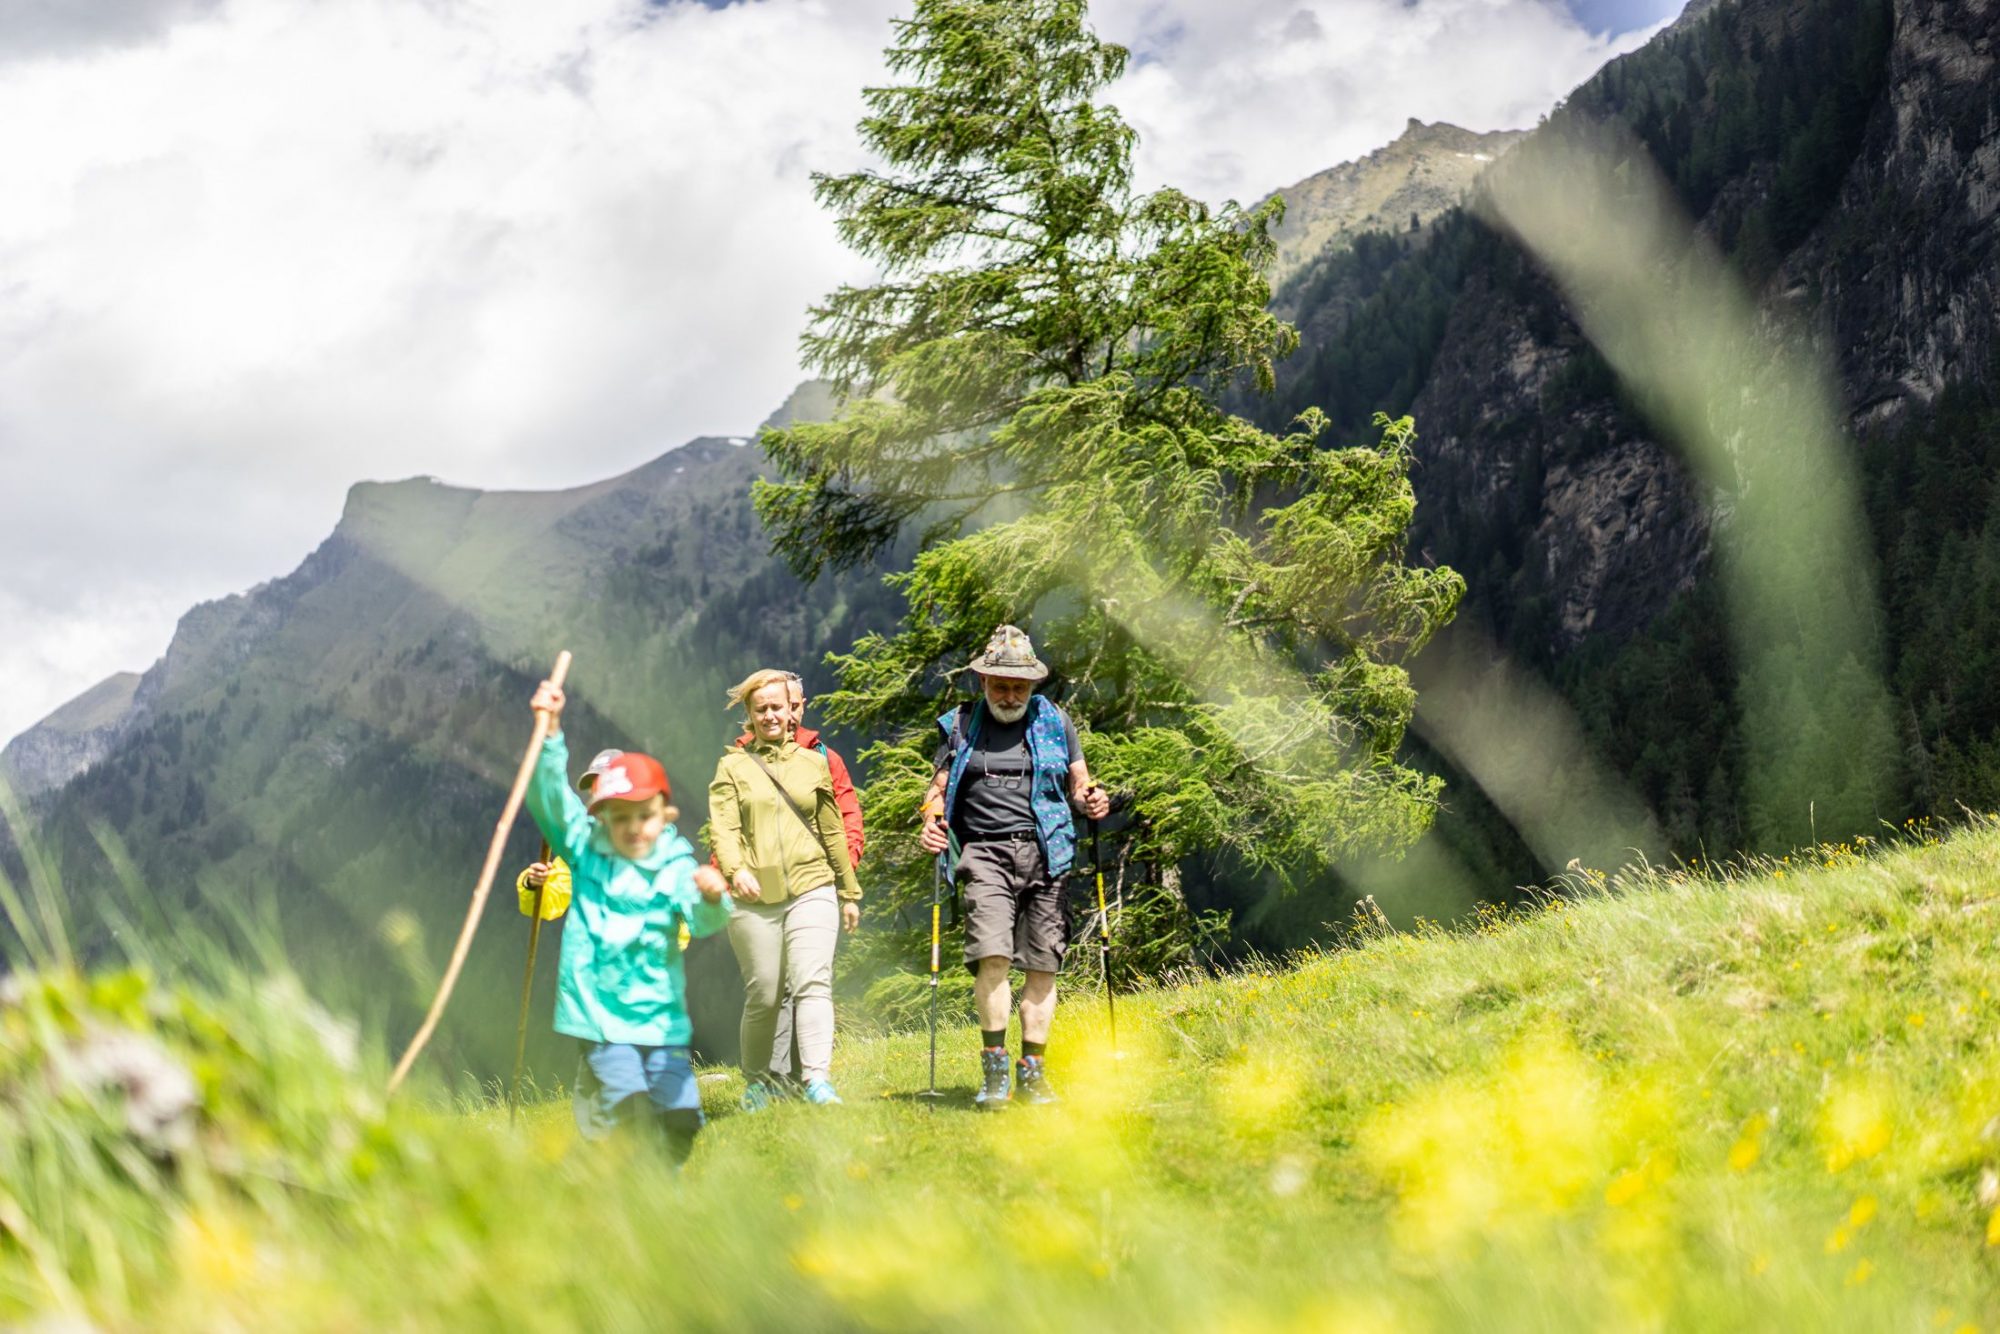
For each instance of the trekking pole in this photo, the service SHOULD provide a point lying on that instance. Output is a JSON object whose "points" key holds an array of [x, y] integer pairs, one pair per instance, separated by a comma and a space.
{"points": [[480, 890], [937, 907], [527, 993], [1103, 930]]}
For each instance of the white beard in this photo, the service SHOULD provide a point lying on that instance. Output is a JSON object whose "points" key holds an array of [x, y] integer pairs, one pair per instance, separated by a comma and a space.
{"points": [[1007, 715]]}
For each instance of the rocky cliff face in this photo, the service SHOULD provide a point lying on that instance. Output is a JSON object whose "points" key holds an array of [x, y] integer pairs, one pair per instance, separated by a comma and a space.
{"points": [[1578, 523], [1906, 272]]}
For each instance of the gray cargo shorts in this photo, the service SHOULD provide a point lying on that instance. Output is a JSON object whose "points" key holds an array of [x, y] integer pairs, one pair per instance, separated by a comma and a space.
{"points": [[1012, 905]]}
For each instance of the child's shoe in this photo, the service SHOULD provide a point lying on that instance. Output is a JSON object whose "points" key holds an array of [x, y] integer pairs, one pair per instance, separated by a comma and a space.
{"points": [[820, 1093]]}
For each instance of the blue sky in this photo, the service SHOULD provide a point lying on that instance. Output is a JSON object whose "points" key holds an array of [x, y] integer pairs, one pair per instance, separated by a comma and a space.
{"points": [[1599, 16], [1620, 16]]}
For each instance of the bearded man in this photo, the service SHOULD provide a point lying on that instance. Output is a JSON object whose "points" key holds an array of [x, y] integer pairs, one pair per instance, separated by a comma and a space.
{"points": [[1010, 775]]}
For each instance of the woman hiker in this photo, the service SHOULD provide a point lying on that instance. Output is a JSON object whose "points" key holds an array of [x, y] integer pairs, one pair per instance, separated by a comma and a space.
{"points": [[780, 844], [784, 1051]]}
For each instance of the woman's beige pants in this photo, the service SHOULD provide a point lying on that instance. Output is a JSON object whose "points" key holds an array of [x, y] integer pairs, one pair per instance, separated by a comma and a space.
{"points": [[787, 948]]}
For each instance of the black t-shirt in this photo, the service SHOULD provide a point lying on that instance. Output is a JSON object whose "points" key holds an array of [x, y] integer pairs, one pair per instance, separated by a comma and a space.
{"points": [[995, 795]]}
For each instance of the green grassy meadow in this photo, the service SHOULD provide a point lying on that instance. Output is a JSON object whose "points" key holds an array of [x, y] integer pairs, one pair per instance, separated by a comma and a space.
{"points": [[1767, 1099]]}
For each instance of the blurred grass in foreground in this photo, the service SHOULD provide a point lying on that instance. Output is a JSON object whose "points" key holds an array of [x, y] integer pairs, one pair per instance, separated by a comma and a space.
{"points": [[1754, 1100]]}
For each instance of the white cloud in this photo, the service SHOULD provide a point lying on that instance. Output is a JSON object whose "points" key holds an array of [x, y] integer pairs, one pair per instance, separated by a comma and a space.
{"points": [[30, 28], [255, 251], [1235, 99]]}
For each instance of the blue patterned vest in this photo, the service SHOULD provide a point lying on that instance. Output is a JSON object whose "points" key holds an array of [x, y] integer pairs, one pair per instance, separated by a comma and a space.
{"points": [[1048, 752]]}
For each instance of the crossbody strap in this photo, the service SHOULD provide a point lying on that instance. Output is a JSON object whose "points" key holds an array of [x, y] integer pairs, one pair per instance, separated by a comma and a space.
{"points": [[812, 826]]}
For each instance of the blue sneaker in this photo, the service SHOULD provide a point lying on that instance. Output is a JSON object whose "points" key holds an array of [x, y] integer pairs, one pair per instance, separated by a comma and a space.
{"points": [[993, 1091], [756, 1095], [820, 1093]]}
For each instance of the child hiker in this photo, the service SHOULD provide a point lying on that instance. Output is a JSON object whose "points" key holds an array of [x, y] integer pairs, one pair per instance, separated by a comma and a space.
{"points": [[552, 876], [620, 990]]}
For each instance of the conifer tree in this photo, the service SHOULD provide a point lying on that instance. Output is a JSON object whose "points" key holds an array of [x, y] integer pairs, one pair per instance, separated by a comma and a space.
{"points": [[1032, 386]]}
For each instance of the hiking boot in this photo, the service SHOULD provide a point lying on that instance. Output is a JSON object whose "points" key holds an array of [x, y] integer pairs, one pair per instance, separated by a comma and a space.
{"points": [[756, 1095], [992, 1095], [1033, 1082], [820, 1093]]}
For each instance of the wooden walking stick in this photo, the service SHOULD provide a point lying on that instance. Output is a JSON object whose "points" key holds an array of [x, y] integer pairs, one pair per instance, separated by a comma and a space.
{"points": [[527, 991], [479, 891]]}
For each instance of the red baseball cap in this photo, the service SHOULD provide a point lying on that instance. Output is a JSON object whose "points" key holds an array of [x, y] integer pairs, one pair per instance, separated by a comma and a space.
{"points": [[630, 777]]}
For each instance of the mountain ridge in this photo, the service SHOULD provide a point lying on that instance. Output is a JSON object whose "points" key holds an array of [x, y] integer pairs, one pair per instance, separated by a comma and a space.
{"points": [[1416, 176]]}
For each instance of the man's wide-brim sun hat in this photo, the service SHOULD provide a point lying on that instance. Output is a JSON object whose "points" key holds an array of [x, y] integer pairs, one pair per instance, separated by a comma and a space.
{"points": [[1008, 653]]}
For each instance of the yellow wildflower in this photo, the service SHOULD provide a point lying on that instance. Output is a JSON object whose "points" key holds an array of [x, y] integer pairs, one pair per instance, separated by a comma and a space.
{"points": [[1625, 1187], [1854, 1126], [1749, 1144]]}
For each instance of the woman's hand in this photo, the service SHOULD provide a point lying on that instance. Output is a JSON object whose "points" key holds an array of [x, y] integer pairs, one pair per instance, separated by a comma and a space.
{"points": [[744, 885], [536, 874], [549, 699], [935, 838], [850, 914], [708, 882]]}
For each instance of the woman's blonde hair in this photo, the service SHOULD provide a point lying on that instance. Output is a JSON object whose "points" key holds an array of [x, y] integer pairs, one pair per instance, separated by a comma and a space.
{"points": [[740, 693]]}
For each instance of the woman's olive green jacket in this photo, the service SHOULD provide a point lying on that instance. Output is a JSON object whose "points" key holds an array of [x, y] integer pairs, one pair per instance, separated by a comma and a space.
{"points": [[750, 826]]}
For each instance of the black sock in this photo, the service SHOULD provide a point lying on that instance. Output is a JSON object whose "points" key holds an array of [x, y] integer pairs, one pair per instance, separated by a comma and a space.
{"points": [[994, 1037], [1034, 1049]]}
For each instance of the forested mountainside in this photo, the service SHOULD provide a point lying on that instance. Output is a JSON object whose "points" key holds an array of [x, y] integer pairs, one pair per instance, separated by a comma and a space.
{"points": [[1845, 155]]}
